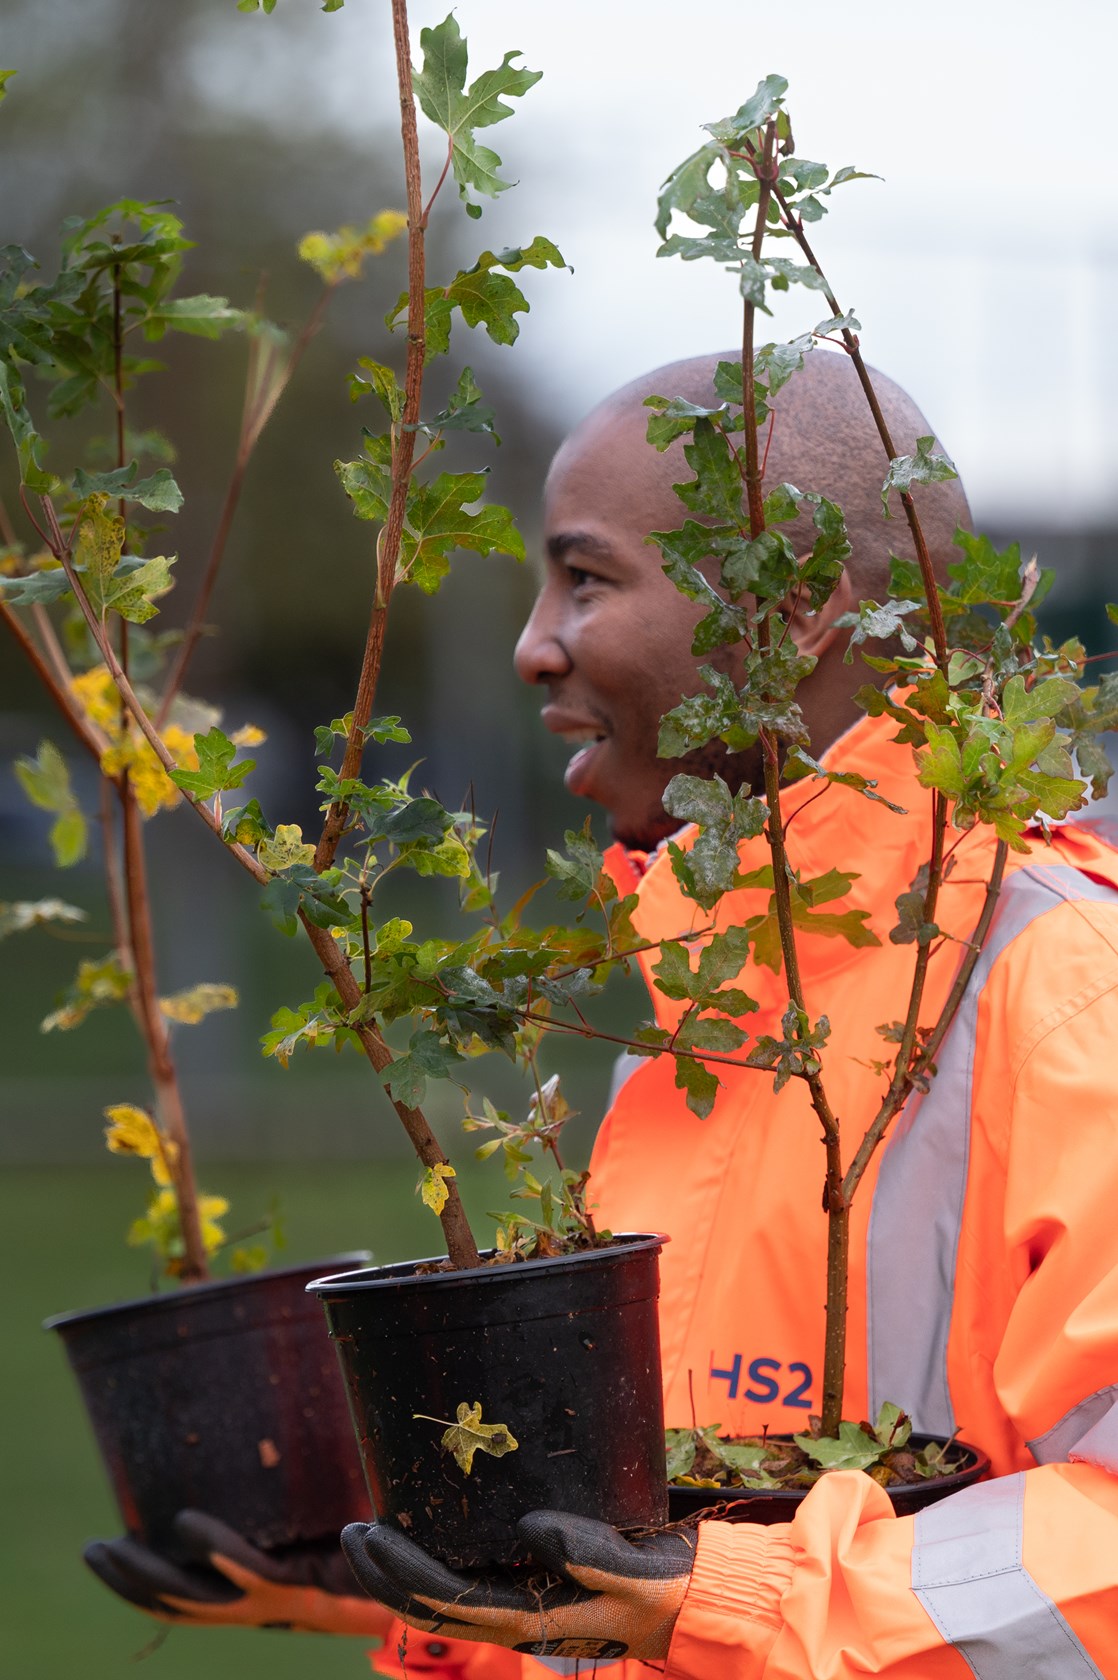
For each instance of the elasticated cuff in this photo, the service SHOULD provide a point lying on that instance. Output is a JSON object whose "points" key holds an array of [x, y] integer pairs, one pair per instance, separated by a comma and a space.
{"points": [[731, 1612]]}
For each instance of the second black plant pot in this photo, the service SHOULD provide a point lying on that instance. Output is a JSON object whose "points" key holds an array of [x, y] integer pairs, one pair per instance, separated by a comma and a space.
{"points": [[224, 1397], [563, 1353]]}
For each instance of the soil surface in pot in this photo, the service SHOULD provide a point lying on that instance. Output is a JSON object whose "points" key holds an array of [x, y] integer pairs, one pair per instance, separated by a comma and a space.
{"points": [[723, 1477]]}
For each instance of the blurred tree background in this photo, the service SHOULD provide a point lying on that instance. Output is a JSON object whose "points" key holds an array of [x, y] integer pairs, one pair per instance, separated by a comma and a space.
{"points": [[260, 129]]}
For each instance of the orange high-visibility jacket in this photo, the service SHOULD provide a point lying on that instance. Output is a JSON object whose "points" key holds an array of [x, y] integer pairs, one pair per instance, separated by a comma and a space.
{"points": [[984, 1265]]}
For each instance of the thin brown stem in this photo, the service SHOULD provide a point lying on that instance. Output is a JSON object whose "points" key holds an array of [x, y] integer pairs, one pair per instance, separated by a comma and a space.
{"points": [[441, 179], [161, 1066], [51, 645], [853, 348], [114, 884], [388, 546], [924, 1060], [460, 1243]]}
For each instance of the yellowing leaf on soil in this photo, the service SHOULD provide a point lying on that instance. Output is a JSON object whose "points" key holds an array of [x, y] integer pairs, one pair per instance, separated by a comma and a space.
{"points": [[469, 1435]]}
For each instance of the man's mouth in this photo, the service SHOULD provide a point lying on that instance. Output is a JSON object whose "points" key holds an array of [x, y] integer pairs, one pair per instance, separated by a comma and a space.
{"points": [[585, 736], [578, 771]]}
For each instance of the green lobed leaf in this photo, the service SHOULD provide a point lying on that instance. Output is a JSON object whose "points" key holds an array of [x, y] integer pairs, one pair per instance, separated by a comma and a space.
{"points": [[764, 102], [578, 868], [484, 294], [905, 471], [698, 1082], [440, 87], [160, 493], [872, 622], [203, 316], [724, 819], [853, 1450], [45, 779], [216, 772]]}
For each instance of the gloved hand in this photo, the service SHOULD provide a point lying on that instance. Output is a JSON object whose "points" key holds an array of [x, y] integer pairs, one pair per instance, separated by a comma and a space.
{"points": [[229, 1583], [613, 1598]]}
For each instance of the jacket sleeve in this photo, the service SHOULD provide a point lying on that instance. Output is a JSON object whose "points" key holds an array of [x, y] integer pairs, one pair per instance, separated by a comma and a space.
{"points": [[1012, 1577], [1015, 1576]]}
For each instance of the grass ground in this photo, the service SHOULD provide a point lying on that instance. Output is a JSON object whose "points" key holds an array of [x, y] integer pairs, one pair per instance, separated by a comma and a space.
{"points": [[61, 1248]]}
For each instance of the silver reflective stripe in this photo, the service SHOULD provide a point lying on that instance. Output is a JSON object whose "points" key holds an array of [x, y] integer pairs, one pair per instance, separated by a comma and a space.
{"points": [[917, 1208], [1106, 826], [1099, 1446], [968, 1575], [584, 1667], [1057, 1442], [623, 1070]]}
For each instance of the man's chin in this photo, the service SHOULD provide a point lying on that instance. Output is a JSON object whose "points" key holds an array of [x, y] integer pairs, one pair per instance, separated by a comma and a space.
{"points": [[643, 835]]}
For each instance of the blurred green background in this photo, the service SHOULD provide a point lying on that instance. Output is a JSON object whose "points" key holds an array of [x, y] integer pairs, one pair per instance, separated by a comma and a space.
{"points": [[243, 122]]}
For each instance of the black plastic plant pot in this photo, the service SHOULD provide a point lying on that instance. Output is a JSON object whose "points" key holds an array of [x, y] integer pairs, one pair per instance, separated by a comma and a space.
{"points": [[224, 1397], [776, 1505], [563, 1354]]}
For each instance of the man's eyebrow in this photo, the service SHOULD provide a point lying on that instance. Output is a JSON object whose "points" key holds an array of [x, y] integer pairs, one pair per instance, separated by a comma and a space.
{"points": [[566, 542]]}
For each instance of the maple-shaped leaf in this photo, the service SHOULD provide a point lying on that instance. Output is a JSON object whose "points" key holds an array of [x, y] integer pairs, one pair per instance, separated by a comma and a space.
{"points": [[484, 294], [578, 868], [853, 1449], [921, 468], [469, 1436], [216, 771], [159, 493], [700, 1084], [440, 87], [437, 522], [680, 1445]]}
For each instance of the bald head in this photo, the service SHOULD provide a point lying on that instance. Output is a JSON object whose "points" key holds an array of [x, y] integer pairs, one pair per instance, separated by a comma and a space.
{"points": [[823, 439], [612, 639]]}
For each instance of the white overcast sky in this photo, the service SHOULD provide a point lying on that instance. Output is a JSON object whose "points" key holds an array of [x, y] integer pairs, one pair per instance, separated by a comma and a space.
{"points": [[983, 266]]}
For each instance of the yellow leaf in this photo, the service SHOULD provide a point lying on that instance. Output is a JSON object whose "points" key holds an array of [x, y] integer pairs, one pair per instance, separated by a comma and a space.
{"points": [[432, 1186], [210, 1209], [469, 1435], [285, 847], [128, 750], [341, 255], [192, 1006], [100, 537], [248, 736], [132, 1131]]}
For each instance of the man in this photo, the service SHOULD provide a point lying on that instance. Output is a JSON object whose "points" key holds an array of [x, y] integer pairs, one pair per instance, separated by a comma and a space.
{"points": [[984, 1282]]}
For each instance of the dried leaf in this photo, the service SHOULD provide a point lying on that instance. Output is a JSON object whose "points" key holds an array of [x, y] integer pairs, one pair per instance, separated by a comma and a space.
{"points": [[469, 1435]]}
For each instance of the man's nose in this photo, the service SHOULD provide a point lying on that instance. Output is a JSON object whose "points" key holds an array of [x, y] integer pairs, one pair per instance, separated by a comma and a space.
{"points": [[541, 653]]}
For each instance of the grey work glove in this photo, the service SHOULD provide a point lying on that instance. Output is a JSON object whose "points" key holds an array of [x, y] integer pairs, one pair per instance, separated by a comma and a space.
{"points": [[613, 1597], [226, 1582]]}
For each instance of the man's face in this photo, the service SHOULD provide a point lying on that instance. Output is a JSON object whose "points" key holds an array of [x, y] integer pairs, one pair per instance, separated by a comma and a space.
{"points": [[609, 636]]}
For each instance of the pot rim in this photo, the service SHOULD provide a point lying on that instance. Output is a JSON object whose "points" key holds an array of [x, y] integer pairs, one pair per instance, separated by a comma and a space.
{"points": [[171, 1299], [403, 1271]]}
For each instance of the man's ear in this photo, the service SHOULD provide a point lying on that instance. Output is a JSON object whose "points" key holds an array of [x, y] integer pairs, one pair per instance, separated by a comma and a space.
{"points": [[813, 629]]}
